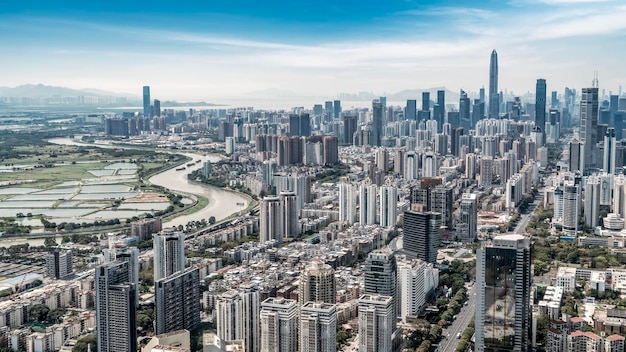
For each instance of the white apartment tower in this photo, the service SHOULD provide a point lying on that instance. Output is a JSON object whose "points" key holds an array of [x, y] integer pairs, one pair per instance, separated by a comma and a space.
{"points": [[376, 323], [347, 203], [388, 205], [279, 325], [318, 327], [367, 202]]}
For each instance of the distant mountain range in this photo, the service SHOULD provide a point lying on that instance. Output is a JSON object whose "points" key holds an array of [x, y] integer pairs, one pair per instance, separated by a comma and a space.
{"points": [[44, 91]]}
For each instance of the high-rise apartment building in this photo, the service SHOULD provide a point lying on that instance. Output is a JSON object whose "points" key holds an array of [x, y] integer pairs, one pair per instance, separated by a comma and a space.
{"points": [[350, 123], [377, 322], [609, 159], [367, 203], [289, 214], [177, 301], [318, 327], [169, 253], [494, 97], [115, 308], [388, 206], [441, 201], [503, 285], [592, 201], [347, 202], [130, 255], [589, 126], [279, 325], [317, 283], [59, 264], [422, 235], [237, 315], [416, 279], [571, 207]]}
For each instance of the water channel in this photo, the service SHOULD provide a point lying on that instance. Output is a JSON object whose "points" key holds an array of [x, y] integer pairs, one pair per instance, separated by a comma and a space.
{"points": [[222, 203]]}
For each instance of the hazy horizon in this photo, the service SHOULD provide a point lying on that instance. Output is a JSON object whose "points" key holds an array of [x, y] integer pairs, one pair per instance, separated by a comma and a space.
{"points": [[226, 50]]}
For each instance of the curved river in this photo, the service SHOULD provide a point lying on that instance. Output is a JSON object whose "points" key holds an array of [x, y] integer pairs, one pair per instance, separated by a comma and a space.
{"points": [[222, 203]]}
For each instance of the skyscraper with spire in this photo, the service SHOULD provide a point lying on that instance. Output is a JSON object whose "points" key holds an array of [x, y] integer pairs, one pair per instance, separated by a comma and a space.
{"points": [[494, 98], [540, 105]]}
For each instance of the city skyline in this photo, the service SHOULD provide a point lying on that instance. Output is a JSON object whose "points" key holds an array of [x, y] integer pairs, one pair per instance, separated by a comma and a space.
{"points": [[219, 51]]}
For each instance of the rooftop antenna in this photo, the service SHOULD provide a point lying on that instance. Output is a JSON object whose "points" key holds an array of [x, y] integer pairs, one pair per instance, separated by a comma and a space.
{"points": [[595, 83]]}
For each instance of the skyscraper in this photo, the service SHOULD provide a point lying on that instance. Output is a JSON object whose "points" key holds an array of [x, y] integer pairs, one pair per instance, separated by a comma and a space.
{"points": [[177, 301], [465, 119], [381, 275], [237, 315], [540, 105], [377, 123], [289, 214], [377, 322], [468, 222], [279, 325], [440, 108], [146, 101], [422, 235], [425, 101], [318, 327], [347, 202], [503, 284], [589, 126], [317, 283], [367, 202], [169, 253], [59, 264], [494, 97], [349, 127], [410, 112], [416, 279], [609, 151], [592, 201], [337, 109], [270, 221], [388, 206], [115, 308]]}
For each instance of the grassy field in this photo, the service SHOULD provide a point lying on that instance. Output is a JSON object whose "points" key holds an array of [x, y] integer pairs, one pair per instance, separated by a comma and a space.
{"points": [[202, 202]]}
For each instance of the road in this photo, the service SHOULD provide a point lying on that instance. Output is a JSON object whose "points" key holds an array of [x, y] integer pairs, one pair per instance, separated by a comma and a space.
{"points": [[449, 341]]}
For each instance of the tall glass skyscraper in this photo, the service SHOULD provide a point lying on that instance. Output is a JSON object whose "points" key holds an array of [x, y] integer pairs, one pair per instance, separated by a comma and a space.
{"points": [[540, 105], [494, 98], [589, 126], [146, 101], [503, 282], [377, 123]]}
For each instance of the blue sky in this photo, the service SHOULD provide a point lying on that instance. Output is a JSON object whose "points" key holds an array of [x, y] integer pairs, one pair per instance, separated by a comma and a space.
{"points": [[189, 50]]}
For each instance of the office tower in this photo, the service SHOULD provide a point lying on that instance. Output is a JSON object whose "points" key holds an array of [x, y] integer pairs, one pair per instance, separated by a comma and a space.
{"points": [[589, 126], [349, 128], [554, 101], [177, 301], [237, 315], [441, 201], [410, 112], [388, 205], [377, 123], [481, 94], [377, 322], [381, 274], [429, 165], [59, 264], [328, 110], [425, 101], [169, 253], [494, 97], [575, 161], [115, 308], [270, 222], [455, 140], [367, 203], [146, 101], [571, 207], [441, 144], [289, 214], [300, 125], [317, 283], [592, 202], [440, 108], [416, 280], [157, 107], [609, 151], [318, 327], [347, 202], [478, 111], [464, 112], [422, 235], [337, 109], [454, 118], [279, 325], [467, 226], [540, 105], [503, 284]]}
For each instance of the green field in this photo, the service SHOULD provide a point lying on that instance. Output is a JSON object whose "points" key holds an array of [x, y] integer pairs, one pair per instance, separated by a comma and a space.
{"points": [[47, 177]]}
